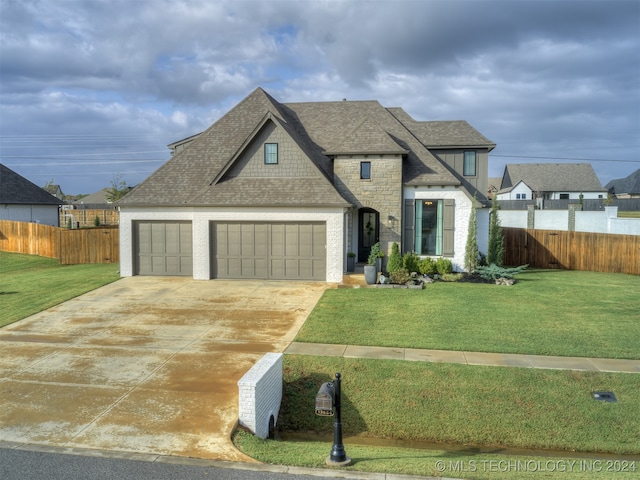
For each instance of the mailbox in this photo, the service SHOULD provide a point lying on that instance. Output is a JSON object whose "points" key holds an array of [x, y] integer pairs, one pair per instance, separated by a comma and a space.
{"points": [[325, 400]]}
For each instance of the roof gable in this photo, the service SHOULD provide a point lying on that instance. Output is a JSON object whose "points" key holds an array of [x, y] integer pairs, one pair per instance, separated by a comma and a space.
{"points": [[444, 134], [15, 189], [628, 185], [196, 174], [552, 177]]}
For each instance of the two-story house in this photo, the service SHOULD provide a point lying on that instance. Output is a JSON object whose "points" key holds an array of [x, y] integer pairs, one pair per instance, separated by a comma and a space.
{"points": [[284, 190], [550, 181]]}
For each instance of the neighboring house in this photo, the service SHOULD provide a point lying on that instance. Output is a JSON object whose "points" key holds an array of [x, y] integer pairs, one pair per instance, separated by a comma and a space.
{"points": [[494, 186], [284, 191], [96, 198], [23, 201], [54, 190], [628, 187], [550, 181]]}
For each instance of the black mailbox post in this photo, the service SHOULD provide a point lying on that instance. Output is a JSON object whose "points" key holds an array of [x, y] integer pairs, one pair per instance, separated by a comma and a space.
{"points": [[327, 399]]}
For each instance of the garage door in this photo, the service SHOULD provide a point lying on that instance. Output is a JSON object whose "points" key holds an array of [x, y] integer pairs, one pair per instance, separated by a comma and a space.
{"points": [[163, 248], [276, 251]]}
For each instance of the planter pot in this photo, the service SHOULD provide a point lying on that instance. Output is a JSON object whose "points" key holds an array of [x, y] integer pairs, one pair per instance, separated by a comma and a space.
{"points": [[351, 264], [379, 264], [370, 274]]}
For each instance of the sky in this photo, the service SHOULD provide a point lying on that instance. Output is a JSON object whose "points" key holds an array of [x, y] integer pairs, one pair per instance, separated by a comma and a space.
{"points": [[91, 92]]}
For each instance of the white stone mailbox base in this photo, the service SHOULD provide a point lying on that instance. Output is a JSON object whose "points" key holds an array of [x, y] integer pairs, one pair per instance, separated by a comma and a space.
{"points": [[260, 392]]}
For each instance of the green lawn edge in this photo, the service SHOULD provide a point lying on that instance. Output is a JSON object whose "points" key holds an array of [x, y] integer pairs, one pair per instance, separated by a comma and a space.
{"points": [[30, 284], [547, 312], [467, 407]]}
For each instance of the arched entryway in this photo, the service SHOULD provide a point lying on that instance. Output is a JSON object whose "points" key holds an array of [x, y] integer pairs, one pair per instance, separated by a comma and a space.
{"points": [[368, 231]]}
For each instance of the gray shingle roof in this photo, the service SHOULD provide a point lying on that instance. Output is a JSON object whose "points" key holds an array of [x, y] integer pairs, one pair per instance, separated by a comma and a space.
{"points": [[196, 174], [449, 134], [15, 189], [629, 185], [552, 177]]}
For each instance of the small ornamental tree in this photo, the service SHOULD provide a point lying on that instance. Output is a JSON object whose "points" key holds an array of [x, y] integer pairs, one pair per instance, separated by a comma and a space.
{"points": [[496, 240], [395, 259], [471, 251]]}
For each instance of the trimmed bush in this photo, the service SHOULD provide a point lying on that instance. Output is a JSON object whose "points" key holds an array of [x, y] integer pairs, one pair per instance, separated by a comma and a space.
{"points": [[400, 276], [444, 265], [395, 259], [411, 262], [427, 266]]}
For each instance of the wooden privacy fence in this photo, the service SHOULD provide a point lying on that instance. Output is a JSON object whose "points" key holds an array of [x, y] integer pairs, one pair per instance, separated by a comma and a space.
{"points": [[86, 217], [87, 245], [594, 252]]}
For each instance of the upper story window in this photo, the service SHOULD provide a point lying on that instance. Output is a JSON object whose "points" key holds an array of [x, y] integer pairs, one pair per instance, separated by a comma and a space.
{"points": [[270, 153], [365, 170], [469, 167]]}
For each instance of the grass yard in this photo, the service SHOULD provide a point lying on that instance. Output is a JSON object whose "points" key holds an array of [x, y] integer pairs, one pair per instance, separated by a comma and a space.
{"points": [[467, 406], [548, 312], [30, 284]]}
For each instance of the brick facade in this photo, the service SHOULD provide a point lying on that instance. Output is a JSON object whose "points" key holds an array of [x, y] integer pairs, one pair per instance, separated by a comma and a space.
{"points": [[260, 394]]}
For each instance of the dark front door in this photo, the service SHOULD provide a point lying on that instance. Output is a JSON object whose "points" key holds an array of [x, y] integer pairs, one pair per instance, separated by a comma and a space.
{"points": [[369, 232]]}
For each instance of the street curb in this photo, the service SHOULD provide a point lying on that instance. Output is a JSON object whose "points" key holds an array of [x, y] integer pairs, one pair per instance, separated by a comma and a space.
{"points": [[199, 462]]}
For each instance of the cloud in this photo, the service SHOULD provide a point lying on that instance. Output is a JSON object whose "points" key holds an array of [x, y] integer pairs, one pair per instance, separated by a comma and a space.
{"points": [[539, 78]]}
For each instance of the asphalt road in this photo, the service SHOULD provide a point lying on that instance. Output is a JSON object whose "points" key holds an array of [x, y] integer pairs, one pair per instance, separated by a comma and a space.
{"points": [[33, 465]]}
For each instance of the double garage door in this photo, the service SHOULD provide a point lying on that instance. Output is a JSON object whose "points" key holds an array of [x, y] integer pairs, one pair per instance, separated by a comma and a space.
{"points": [[266, 250], [260, 250]]}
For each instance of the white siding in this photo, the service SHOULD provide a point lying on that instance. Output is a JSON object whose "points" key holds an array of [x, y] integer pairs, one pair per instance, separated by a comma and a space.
{"points": [[463, 206], [201, 218]]}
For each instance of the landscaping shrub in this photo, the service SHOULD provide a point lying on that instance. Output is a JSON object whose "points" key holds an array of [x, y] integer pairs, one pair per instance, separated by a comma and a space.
{"points": [[471, 250], [96, 221], [411, 262], [444, 265], [395, 259], [427, 266], [374, 254], [494, 272], [400, 276]]}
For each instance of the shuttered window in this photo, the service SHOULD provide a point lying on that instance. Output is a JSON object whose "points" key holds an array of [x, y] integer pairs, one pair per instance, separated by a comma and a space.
{"points": [[429, 227]]}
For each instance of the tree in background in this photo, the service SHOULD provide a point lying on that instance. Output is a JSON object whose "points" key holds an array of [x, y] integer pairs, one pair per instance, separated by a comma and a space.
{"points": [[495, 254], [118, 189], [471, 251]]}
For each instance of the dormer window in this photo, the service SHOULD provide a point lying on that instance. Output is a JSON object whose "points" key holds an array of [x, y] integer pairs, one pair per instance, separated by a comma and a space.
{"points": [[469, 167], [271, 153], [365, 170]]}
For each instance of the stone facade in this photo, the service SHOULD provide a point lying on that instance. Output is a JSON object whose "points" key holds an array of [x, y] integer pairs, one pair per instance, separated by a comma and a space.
{"points": [[382, 192]]}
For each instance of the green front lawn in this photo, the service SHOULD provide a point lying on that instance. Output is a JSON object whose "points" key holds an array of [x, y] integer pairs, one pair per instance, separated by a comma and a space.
{"points": [[30, 284], [548, 312], [460, 407]]}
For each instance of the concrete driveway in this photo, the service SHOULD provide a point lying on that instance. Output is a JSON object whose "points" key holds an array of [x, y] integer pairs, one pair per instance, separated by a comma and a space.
{"points": [[146, 364]]}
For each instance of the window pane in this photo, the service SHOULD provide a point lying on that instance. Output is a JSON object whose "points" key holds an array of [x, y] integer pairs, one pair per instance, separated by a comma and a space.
{"points": [[365, 170], [469, 168], [429, 227], [270, 153]]}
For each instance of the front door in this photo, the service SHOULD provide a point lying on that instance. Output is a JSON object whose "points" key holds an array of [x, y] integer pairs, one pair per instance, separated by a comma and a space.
{"points": [[369, 232]]}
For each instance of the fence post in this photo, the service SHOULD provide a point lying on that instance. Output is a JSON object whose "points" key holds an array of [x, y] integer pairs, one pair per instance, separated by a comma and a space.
{"points": [[531, 216]]}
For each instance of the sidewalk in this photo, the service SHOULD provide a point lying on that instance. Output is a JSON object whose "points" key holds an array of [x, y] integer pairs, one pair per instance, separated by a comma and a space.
{"points": [[467, 358]]}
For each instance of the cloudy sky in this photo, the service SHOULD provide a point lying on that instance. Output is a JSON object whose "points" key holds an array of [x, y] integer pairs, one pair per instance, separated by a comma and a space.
{"points": [[94, 90]]}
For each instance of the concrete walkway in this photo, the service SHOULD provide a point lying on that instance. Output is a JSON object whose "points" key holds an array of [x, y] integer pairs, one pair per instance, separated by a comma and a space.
{"points": [[467, 358]]}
